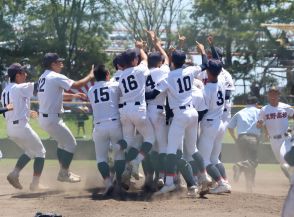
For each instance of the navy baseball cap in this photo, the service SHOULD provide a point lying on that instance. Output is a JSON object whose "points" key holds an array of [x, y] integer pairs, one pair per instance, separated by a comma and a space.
{"points": [[178, 57], [51, 58], [214, 66], [15, 68]]}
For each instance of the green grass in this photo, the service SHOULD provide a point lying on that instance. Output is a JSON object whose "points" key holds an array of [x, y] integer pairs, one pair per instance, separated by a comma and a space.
{"points": [[70, 122]]}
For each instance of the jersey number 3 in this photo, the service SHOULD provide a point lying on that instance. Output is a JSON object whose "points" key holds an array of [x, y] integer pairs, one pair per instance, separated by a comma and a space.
{"points": [[103, 95], [220, 98], [129, 83]]}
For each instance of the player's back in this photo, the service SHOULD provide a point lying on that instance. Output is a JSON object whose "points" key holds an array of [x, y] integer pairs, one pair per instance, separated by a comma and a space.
{"points": [[104, 98], [154, 77], [180, 83], [214, 95], [132, 84], [51, 87], [19, 95]]}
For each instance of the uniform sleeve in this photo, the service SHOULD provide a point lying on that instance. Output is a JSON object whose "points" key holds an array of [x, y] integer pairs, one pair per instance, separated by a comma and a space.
{"points": [[165, 68], [162, 86], [64, 82], [261, 116], [290, 112], [233, 122], [229, 83], [26, 89], [143, 68], [195, 70]]}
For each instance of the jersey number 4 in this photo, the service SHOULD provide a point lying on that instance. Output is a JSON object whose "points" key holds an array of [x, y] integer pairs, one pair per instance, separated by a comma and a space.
{"points": [[129, 83], [184, 84], [103, 95], [149, 82], [220, 98]]}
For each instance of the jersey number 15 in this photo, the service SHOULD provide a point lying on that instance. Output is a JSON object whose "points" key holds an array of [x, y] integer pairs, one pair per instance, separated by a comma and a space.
{"points": [[103, 95]]}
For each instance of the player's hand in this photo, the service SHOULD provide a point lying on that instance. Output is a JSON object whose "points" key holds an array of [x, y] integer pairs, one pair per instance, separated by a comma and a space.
{"points": [[200, 47], [34, 114], [171, 49], [181, 38], [259, 124], [80, 96], [139, 44], [151, 34], [9, 107], [210, 40], [91, 73]]}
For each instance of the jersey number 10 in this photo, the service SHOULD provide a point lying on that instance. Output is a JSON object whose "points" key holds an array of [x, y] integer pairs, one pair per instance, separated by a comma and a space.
{"points": [[185, 84]]}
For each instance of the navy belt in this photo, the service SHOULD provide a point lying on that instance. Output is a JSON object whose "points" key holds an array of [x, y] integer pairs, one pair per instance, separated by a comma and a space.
{"points": [[120, 105], [15, 122], [184, 107], [209, 119], [159, 107], [280, 136], [47, 115], [136, 103], [113, 119]]}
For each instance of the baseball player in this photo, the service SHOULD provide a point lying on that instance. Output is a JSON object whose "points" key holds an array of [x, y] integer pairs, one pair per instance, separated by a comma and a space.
{"points": [[158, 63], [178, 86], [118, 65], [132, 84], [288, 209], [104, 96], [247, 141], [274, 117], [51, 86], [214, 96], [18, 92]]}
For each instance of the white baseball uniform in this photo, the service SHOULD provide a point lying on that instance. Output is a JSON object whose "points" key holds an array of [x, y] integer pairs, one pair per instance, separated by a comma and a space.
{"points": [[214, 96], [104, 98], [18, 128], [178, 86], [276, 122], [117, 75], [51, 87], [155, 107], [132, 84]]}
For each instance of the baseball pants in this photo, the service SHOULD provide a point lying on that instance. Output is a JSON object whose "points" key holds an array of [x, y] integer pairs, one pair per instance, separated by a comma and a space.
{"points": [[157, 118], [58, 130], [135, 117], [288, 208], [280, 148], [210, 129], [183, 126], [105, 133], [26, 138]]}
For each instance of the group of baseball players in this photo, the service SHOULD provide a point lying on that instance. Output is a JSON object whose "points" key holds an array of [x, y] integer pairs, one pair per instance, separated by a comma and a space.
{"points": [[156, 110]]}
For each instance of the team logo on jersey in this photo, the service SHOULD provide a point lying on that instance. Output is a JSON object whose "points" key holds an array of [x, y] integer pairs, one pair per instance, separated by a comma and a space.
{"points": [[278, 115]]}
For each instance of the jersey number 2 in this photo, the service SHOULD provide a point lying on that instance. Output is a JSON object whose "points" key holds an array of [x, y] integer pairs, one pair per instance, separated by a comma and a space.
{"points": [[220, 98], [41, 83], [103, 95], [130, 83]]}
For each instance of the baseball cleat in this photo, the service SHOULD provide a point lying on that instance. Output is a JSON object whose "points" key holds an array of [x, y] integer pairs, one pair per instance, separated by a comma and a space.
{"points": [[126, 177], [160, 182], [165, 189], [192, 191], [108, 187], [205, 182], [237, 172], [14, 181], [221, 188], [68, 177], [38, 187]]}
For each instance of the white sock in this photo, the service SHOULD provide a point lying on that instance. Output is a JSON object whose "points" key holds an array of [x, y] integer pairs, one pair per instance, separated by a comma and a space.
{"points": [[16, 171], [36, 179], [169, 180], [140, 157]]}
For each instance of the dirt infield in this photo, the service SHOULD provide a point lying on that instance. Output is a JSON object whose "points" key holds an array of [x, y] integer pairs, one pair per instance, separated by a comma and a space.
{"points": [[83, 199]]}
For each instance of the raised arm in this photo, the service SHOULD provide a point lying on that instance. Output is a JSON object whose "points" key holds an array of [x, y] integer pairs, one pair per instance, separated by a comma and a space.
{"points": [[140, 46], [85, 80], [201, 50], [213, 51]]}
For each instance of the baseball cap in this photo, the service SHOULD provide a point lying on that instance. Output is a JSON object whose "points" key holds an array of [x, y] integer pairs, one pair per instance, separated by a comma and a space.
{"points": [[15, 68], [214, 66], [178, 57], [51, 58], [275, 89]]}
